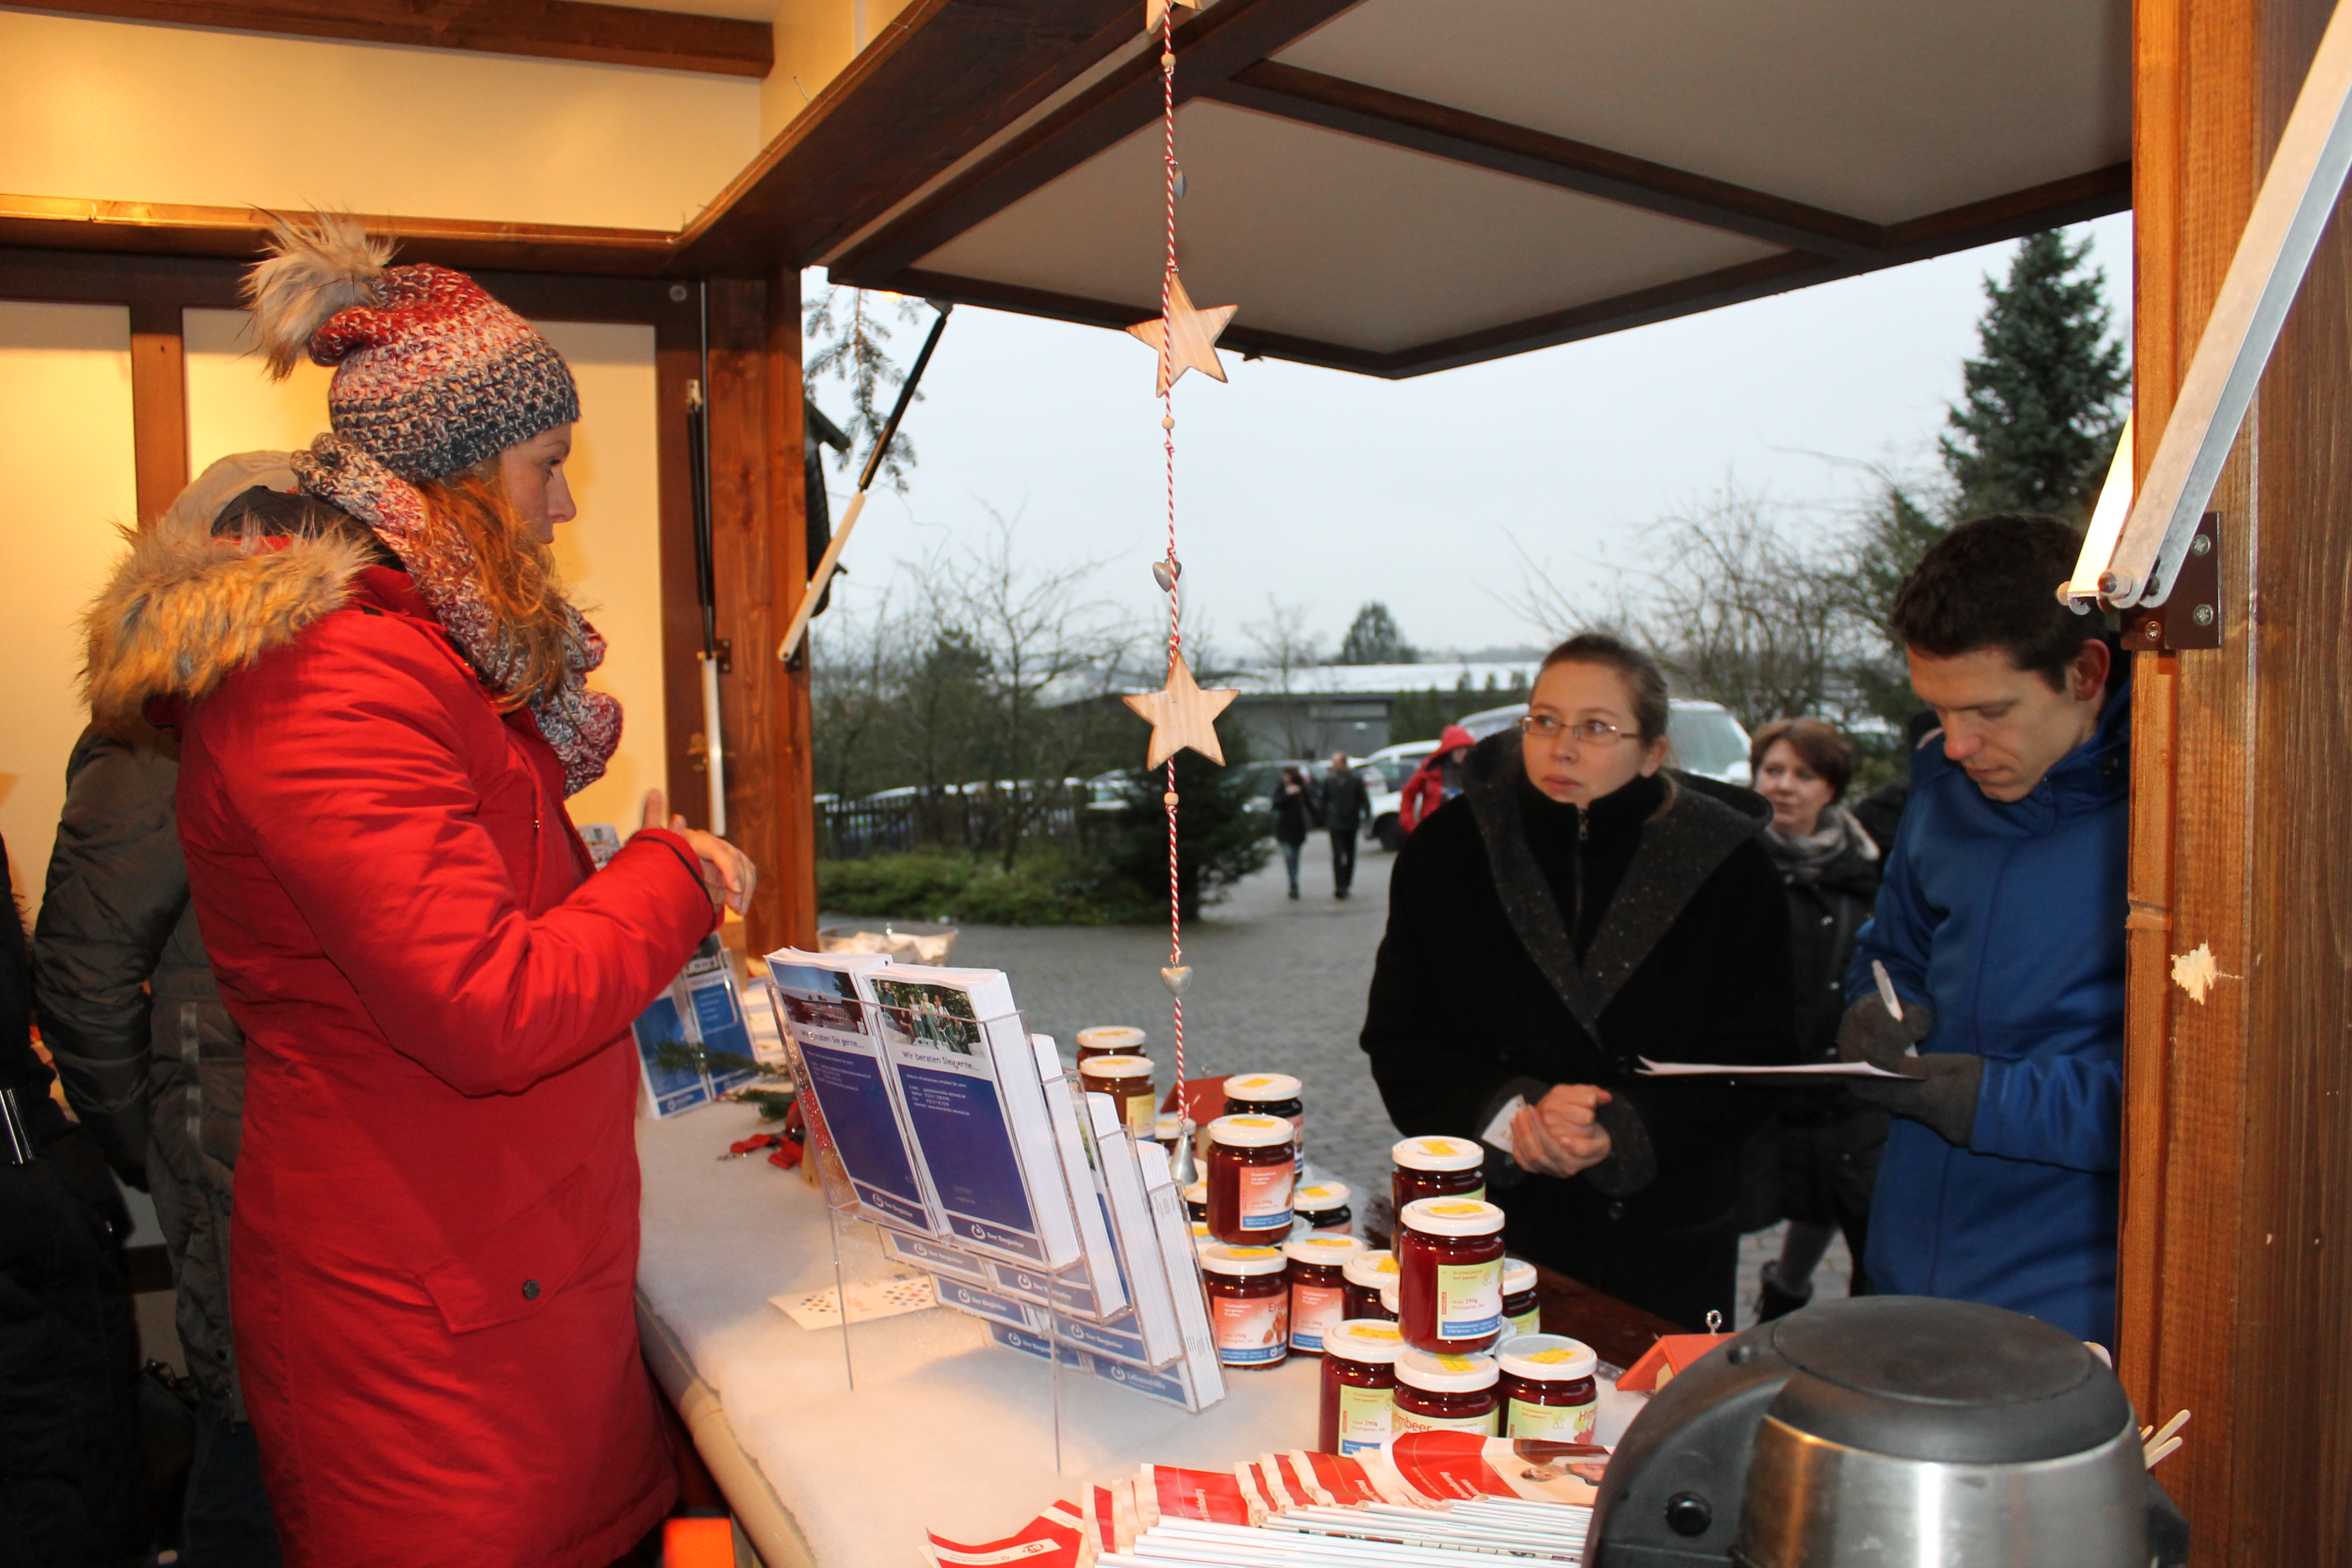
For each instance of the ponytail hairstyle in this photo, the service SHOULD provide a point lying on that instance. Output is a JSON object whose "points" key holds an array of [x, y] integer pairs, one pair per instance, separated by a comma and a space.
{"points": [[516, 577], [1644, 682]]}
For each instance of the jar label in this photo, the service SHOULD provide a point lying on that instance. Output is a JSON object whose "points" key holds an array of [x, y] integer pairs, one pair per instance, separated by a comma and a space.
{"points": [[1363, 1419], [1141, 1114], [1315, 1310], [1251, 1331], [1529, 1323], [1469, 1299], [1402, 1420], [1265, 1196], [1552, 1423]]}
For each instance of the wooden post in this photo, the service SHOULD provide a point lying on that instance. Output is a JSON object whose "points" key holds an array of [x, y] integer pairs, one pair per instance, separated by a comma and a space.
{"points": [[159, 407], [761, 558], [2236, 1264]]}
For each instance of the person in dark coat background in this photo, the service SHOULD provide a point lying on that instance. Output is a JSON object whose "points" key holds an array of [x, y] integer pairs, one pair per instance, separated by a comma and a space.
{"points": [[1294, 818], [1343, 803], [1588, 908], [2001, 924], [150, 1060], [1823, 1153], [70, 1487]]}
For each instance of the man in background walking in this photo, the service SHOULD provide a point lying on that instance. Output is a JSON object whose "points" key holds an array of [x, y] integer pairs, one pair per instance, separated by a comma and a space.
{"points": [[1346, 802]]}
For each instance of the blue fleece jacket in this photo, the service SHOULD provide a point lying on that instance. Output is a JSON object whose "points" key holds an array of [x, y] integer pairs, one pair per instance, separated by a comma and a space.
{"points": [[2009, 919]]}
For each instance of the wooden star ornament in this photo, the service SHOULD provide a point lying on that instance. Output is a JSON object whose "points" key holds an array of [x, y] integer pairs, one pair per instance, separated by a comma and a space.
{"points": [[1155, 9], [1187, 339], [1182, 714]]}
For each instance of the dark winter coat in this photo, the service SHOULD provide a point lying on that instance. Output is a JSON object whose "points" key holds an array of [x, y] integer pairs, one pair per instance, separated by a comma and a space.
{"points": [[1294, 811], [435, 1230], [150, 1060], [1827, 910], [1342, 801], [2008, 918], [1530, 944]]}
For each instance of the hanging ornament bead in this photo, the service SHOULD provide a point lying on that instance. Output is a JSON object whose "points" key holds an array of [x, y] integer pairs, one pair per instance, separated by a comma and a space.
{"points": [[1169, 798], [1180, 184], [1177, 977], [1166, 572], [1167, 422]]}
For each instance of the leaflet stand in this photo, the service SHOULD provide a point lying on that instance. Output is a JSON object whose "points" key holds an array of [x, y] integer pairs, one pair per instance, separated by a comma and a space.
{"points": [[1037, 1304]]}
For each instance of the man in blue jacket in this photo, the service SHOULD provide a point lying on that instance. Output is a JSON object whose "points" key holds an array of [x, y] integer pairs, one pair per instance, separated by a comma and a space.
{"points": [[2001, 924]]}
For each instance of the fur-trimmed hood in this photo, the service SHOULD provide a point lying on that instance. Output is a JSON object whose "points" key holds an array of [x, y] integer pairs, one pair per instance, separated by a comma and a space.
{"points": [[183, 610]]}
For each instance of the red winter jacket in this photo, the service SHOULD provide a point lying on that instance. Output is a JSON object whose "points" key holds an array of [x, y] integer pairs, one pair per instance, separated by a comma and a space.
{"points": [[1425, 791], [435, 1238]]}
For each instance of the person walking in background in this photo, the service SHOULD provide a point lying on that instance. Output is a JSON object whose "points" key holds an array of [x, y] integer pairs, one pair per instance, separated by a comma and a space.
{"points": [[1343, 803], [1588, 908], [1436, 781], [381, 711], [1294, 817], [149, 1056], [70, 1485], [2001, 924], [1821, 1158]]}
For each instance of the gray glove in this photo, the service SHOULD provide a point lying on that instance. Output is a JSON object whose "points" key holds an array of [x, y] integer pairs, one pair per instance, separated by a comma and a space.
{"points": [[1939, 1092], [1869, 1033]]}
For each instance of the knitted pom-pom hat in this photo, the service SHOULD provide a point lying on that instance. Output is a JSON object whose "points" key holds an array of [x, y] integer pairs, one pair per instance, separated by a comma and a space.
{"points": [[431, 374]]}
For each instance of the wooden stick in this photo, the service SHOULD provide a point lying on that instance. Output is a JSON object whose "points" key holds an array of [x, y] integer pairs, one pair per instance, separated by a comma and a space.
{"points": [[824, 575]]}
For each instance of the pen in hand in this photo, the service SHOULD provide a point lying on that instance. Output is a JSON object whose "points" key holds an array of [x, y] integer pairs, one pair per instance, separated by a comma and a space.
{"points": [[1887, 990]]}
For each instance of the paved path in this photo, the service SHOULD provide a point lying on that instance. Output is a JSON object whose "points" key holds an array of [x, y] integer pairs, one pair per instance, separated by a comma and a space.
{"points": [[1278, 987]]}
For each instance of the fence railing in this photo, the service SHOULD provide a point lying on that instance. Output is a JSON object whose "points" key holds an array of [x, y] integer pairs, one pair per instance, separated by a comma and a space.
{"points": [[975, 817]]}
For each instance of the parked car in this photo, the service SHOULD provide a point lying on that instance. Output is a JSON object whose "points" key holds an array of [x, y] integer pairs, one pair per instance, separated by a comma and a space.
{"points": [[1392, 766]]}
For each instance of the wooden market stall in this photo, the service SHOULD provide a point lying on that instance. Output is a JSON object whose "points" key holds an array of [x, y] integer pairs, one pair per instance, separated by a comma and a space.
{"points": [[1395, 189]]}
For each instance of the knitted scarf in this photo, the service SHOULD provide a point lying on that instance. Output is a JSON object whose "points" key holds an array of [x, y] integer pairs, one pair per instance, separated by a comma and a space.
{"points": [[1834, 834], [583, 726]]}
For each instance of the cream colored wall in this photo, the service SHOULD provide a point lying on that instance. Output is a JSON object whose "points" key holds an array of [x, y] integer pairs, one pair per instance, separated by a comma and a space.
{"points": [[134, 112], [65, 453], [611, 556], [815, 39]]}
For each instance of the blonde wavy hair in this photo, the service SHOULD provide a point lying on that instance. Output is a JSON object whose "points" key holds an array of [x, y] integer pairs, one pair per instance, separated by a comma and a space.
{"points": [[518, 582]]}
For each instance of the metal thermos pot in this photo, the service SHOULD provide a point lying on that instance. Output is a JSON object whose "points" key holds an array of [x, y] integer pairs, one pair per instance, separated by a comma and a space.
{"points": [[1888, 1431]]}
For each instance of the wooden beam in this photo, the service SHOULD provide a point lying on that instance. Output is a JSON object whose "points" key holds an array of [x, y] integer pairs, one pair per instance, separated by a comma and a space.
{"points": [[1310, 97], [792, 785], [159, 408], [158, 229], [546, 30], [1218, 42]]}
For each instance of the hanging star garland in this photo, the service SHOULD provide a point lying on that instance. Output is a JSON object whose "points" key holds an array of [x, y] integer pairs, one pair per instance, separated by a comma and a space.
{"points": [[1185, 336], [1182, 713], [1155, 10]]}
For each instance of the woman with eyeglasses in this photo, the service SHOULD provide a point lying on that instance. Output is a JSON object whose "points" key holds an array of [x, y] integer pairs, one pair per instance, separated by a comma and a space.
{"points": [[1579, 907]]}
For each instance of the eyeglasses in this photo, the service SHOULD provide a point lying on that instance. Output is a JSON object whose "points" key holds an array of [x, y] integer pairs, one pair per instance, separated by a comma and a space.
{"points": [[1591, 731]]}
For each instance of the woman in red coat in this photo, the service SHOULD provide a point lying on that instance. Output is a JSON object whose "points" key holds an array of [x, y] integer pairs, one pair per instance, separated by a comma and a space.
{"points": [[380, 707]]}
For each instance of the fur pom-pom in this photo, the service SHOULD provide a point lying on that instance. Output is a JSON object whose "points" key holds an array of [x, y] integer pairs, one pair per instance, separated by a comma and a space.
{"points": [[313, 271]]}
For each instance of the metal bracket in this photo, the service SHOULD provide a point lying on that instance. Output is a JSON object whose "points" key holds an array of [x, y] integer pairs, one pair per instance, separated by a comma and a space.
{"points": [[2191, 616], [723, 650]]}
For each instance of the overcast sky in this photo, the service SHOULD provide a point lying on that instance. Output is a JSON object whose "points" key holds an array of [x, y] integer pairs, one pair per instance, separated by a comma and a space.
{"points": [[1328, 490]]}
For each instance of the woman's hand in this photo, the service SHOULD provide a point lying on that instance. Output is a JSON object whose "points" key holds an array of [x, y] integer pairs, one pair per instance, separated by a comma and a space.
{"points": [[1561, 1135], [728, 874]]}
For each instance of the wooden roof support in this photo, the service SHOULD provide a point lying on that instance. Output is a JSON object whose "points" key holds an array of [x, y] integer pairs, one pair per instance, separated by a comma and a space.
{"points": [[548, 29]]}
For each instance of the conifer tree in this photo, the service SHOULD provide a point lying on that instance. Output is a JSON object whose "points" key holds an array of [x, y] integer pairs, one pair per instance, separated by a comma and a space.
{"points": [[1373, 638], [2037, 424]]}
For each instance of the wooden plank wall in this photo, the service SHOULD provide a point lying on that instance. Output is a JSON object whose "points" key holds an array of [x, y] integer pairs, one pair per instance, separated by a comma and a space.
{"points": [[2236, 1276]]}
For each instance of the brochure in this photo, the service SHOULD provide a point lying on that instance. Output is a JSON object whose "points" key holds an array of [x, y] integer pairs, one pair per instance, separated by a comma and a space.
{"points": [[1137, 1233], [1094, 1286], [831, 1021]]}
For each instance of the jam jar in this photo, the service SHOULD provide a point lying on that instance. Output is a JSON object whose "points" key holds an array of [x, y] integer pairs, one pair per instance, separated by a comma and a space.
{"points": [[1364, 1275], [1450, 1275], [1437, 1168], [1167, 1130], [1251, 1169], [1249, 1304], [1196, 1201], [1522, 1312], [1322, 1207], [1127, 1081], [1359, 1384], [1316, 1286], [1110, 1040], [1268, 1094], [1547, 1387], [1438, 1393]]}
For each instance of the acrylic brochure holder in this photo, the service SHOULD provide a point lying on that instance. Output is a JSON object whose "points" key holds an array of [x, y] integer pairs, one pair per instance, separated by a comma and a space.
{"points": [[988, 1251]]}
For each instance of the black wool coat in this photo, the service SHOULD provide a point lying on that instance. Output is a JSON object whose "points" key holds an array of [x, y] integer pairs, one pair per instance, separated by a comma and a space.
{"points": [[1531, 944]]}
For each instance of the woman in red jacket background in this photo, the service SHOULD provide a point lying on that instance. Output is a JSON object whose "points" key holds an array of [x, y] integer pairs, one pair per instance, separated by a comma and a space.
{"points": [[382, 707]]}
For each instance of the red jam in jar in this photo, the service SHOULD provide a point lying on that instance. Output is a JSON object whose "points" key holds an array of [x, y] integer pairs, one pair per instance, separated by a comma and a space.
{"points": [[1127, 1081], [1445, 1393], [1268, 1094], [1322, 1207], [1547, 1387], [1251, 1169], [1110, 1040], [1522, 1310], [1450, 1275], [1249, 1304], [1359, 1385], [1316, 1286], [1196, 1201], [1437, 1168], [1365, 1275]]}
